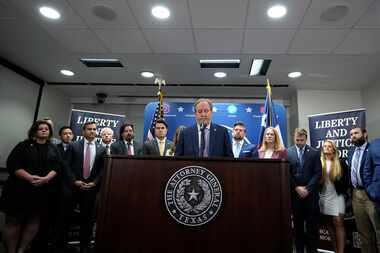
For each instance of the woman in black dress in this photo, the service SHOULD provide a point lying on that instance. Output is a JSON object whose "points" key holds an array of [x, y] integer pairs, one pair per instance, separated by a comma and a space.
{"points": [[32, 165]]}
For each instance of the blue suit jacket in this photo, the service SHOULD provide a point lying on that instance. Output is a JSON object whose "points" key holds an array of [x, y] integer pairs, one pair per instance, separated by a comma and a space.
{"points": [[364, 158], [247, 150], [311, 172], [219, 146], [371, 173]]}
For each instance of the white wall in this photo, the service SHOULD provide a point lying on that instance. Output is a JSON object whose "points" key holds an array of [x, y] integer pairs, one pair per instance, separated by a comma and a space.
{"points": [[323, 101], [56, 105], [18, 100], [371, 101]]}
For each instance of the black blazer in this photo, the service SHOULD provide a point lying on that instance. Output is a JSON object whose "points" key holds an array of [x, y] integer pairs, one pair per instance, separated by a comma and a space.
{"points": [[151, 147], [119, 148], [76, 164], [342, 184], [310, 174], [66, 175]]}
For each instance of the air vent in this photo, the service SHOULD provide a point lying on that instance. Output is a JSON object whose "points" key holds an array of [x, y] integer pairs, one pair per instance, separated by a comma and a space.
{"points": [[102, 63], [225, 64]]}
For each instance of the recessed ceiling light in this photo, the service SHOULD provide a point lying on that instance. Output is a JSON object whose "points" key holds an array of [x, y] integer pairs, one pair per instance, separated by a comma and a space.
{"points": [[160, 12], [49, 12], [277, 11], [294, 74], [147, 74], [66, 72], [220, 74]]}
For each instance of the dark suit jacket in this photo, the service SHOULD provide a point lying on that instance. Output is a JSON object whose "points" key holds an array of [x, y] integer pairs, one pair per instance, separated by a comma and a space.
{"points": [[119, 148], [76, 165], [363, 161], [311, 172], [247, 150], [371, 172], [219, 145], [151, 148], [66, 176]]}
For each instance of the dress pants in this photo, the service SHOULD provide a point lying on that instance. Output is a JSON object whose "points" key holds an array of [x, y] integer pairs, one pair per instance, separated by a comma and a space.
{"points": [[87, 202], [367, 221], [306, 215]]}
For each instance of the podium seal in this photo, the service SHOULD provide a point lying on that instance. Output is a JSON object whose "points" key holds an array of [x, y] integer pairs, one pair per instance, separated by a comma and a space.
{"points": [[193, 196]]}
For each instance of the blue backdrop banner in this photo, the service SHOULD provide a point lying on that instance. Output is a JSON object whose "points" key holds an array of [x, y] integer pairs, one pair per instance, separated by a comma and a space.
{"points": [[79, 117], [225, 114], [335, 126]]}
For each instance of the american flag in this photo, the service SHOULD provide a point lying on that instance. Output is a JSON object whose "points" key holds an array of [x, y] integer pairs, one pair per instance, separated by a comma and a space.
{"points": [[159, 112]]}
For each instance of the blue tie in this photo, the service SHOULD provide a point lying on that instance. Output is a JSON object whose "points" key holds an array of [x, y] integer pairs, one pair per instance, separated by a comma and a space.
{"points": [[355, 167], [300, 157]]}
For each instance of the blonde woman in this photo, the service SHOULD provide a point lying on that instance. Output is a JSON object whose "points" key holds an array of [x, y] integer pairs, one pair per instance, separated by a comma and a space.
{"points": [[334, 184], [271, 148]]}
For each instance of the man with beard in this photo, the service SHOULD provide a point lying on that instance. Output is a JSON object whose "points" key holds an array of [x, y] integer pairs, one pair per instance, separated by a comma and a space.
{"points": [[367, 220], [126, 145], [240, 147]]}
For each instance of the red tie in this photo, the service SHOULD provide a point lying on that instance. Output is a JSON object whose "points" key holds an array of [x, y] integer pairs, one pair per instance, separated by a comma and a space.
{"points": [[130, 148], [87, 161]]}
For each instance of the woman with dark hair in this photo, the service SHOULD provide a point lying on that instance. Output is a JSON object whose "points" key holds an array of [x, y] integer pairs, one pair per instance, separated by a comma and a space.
{"points": [[334, 184], [178, 131], [32, 164], [271, 147]]}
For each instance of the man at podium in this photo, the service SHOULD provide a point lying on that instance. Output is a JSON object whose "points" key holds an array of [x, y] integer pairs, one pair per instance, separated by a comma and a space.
{"points": [[204, 139]]}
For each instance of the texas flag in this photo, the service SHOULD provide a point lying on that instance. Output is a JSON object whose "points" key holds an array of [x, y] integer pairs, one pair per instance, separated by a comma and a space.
{"points": [[269, 117]]}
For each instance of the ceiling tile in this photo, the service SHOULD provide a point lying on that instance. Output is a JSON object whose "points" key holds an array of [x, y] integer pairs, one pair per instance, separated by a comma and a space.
{"points": [[179, 14], [267, 41], [123, 18], [313, 15], [218, 13], [170, 41], [258, 17], [219, 41], [316, 41], [361, 42], [123, 41], [69, 18], [371, 19], [78, 40]]}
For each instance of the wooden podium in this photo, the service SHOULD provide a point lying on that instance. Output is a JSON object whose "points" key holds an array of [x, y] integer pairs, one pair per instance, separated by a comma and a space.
{"points": [[254, 215]]}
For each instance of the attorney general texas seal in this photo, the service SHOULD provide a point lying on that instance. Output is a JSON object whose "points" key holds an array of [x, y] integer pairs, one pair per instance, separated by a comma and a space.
{"points": [[193, 196]]}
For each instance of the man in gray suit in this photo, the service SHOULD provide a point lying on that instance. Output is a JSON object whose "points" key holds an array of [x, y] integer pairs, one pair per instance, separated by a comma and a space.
{"points": [[126, 145], [160, 145]]}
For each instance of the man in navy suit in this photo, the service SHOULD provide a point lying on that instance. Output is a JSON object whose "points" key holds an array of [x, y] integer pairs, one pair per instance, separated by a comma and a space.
{"points": [[240, 147], [86, 170], [66, 184], [372, 175], [204, 139], [305, 173], [160, 145], [126, 145], [366, 218]]}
